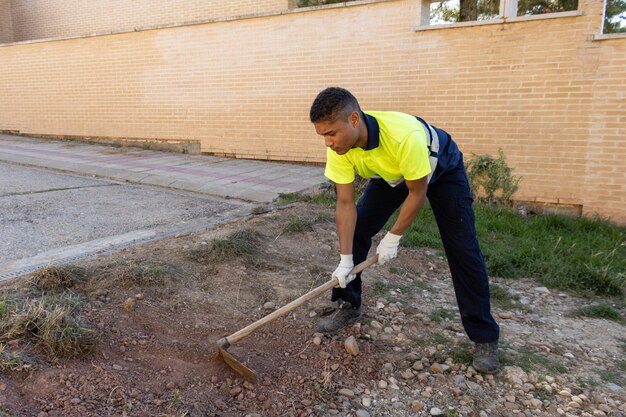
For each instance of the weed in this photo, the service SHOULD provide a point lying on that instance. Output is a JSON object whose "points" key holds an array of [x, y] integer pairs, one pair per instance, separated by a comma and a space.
{"points": [[53, 324], [502, 298], [461, 353], [491, 179], [321, 200], [57, 278], [324, 218], [3, 306], [239, 243], [600, 311], [452, 412], [298, 224], [440, 314], [12, 361], [542, 394], [380, 288], [438, 339], [612, 375], [529, 361]]}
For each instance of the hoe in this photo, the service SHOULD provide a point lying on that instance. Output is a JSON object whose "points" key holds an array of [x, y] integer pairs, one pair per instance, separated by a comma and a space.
{"points": [[224, 343]]}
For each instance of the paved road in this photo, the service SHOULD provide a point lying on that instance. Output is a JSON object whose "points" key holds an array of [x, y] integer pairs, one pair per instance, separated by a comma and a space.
{"points": [[52, 217]]}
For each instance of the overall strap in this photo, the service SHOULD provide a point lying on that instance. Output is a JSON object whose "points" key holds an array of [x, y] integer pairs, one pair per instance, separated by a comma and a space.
{"points": [[433, 145]]}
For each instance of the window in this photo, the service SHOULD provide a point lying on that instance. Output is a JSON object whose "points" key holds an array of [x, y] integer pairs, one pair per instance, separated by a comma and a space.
{"points": [[449, 11], [614, 16], [452, 11]]}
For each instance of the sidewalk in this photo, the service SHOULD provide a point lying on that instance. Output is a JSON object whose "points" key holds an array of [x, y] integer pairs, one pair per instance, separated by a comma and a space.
{"points": [[250, 180]]}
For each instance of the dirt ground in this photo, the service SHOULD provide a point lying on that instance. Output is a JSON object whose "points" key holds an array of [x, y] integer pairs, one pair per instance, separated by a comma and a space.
{"points": [[158, 310]]}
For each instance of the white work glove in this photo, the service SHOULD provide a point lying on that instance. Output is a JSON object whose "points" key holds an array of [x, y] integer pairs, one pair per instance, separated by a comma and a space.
{"points": [[388, 248], [342, 273]]}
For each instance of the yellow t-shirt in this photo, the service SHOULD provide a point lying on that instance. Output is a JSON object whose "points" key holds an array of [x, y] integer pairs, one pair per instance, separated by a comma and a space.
{"points": [[396, 150]]}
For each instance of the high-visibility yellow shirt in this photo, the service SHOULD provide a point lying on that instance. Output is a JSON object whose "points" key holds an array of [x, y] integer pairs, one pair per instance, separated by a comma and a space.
{"points": [[396, 150]]}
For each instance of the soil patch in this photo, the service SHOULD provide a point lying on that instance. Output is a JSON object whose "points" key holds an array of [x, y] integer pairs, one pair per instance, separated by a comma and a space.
{"points": [[158, 310]]}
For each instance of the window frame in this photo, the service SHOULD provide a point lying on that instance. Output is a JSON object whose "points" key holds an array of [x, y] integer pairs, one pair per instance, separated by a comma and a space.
{"points": [[507, 13]]}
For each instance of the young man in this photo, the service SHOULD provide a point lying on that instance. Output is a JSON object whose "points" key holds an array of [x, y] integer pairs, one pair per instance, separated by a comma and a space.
{"points": [[406, 161]]}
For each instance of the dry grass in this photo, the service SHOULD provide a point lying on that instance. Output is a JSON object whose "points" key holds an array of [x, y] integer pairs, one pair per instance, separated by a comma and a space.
{"points": [[52, 323], [241, 243], [57, 278], [12, 361]]}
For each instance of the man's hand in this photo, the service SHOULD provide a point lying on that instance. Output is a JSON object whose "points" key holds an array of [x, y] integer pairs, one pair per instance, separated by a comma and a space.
{"points": [[342, 273], [388, 248]]}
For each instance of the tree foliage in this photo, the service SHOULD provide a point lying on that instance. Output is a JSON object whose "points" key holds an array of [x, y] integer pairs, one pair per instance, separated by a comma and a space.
{"points": [[615, 16]]}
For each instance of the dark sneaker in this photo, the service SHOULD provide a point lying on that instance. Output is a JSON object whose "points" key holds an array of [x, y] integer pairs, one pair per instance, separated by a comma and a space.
{"points": [[486, 358], [343, 315]]}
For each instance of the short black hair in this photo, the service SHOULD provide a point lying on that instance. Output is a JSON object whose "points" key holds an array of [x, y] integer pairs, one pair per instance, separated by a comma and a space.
{"points": [[331, 103]]}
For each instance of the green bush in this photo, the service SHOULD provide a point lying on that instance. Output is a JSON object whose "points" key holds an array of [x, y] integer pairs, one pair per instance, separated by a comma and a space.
{"points": [[491, 179]]}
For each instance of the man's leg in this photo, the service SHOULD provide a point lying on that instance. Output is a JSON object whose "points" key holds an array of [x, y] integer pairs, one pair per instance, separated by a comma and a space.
{"points": [[378, 202], [451, 200]]}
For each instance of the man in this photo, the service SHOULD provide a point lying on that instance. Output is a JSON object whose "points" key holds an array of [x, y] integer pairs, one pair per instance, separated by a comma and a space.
{"points": [[406, 161]]}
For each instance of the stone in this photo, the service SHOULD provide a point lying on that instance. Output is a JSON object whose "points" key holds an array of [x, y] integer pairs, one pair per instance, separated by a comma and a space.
{"points": [[417, 406], [436, 411], [362, 413], [346, 392], [351, 345]]}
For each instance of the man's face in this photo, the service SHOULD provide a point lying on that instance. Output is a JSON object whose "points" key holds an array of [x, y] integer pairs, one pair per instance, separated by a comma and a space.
{"points": [[340, 135]]}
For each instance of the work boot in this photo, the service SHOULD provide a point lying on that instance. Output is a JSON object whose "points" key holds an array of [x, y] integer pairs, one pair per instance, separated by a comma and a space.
{"points": [[343, 315], [486, 357]]}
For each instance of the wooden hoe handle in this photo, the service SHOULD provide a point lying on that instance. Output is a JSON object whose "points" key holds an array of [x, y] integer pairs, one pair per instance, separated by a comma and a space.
{"points": [[235, 337]]}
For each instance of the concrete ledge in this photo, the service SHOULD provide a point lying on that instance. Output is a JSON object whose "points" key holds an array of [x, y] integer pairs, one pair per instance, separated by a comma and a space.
{"points": [[191, 147]]}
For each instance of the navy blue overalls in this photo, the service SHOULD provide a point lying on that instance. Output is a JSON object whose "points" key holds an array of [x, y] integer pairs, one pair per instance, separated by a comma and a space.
{"points": [[451, 200]]}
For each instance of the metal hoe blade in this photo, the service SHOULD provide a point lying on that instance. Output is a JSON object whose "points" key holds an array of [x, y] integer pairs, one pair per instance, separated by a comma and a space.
{"points": [[235, 363]]}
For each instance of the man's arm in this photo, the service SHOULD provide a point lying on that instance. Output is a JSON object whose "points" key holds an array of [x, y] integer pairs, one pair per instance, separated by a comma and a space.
{"points": [[411, 206], [345, 216]]}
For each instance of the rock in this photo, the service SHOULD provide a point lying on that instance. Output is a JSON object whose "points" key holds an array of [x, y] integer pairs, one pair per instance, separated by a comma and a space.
{"points": [[366, 402], [139, 296], [235, 391], [408, 374], [514, 375], [317, 340], [117, 367], [542, 290], [346, 392], [362, 413], [129, 304], [352, 347], [614, 387], [436, 368], [269, 306], [382, 384], [436, 411]]}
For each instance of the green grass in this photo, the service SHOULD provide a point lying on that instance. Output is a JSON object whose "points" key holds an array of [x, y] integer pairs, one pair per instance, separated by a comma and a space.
{"points": [[600, 311], [532, 361], [298, 224], [295, 197], [583, 255], [502, 298], [441, 314], [3, 306]]}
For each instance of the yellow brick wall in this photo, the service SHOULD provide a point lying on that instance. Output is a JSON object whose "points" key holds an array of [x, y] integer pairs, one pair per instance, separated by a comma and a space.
{"points": [[543, 91], [37, 19], [6, 22]]}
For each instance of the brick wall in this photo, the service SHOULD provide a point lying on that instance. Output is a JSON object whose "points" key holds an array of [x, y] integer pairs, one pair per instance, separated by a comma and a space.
{"points": [[37, 19], [6, 23], [544, 91]]}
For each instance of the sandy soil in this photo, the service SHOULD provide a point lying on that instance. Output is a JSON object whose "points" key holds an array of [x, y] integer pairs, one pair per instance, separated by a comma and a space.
{"points": [[158, 310]]}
